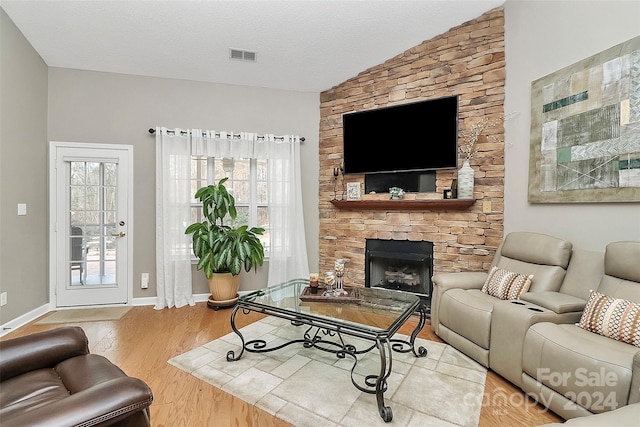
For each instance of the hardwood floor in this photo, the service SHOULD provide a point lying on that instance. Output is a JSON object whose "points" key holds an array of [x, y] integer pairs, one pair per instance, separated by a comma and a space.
{"points": [[144, 339]]}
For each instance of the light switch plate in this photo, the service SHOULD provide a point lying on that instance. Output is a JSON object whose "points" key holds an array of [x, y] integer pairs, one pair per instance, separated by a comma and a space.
{"points": [[144, 280], [22, 209]]}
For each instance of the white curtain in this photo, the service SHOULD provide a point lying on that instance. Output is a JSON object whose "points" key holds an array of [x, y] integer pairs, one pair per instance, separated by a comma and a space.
{"points": [[173, 216], [288, 255]]}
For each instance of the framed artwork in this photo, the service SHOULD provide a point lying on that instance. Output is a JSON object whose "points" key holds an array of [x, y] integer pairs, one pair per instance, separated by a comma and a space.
{"points": [[585, 130], [353, 191]]}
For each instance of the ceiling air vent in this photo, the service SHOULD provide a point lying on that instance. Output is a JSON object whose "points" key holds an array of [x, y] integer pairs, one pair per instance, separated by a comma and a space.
{"points": [[243, 55]]}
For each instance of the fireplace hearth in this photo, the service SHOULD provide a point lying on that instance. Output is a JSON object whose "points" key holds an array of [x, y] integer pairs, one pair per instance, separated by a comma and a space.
{"points": [[400, 264]]}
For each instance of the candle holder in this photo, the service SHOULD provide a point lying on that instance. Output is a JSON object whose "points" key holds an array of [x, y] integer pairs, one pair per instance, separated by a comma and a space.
{"points": [[344, 187], [313, 282], [329, 282]]}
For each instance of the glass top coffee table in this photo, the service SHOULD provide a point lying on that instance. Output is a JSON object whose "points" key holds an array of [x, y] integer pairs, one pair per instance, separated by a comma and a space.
{"points": [[371, 314]]}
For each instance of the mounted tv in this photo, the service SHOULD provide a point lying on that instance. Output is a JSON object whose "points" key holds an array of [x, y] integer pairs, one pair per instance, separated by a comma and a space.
{"points": [[418, 136]]}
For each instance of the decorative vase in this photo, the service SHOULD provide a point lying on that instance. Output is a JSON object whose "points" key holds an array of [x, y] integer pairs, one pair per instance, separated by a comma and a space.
{"points": [[465, 181]]}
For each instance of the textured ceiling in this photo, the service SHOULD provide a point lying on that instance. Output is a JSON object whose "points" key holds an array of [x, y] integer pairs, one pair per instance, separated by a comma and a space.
{"points": [[301, 45]]}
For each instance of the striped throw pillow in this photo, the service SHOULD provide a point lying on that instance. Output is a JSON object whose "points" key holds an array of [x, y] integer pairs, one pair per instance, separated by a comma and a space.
{"points": [[612, 317], [505, 284]]}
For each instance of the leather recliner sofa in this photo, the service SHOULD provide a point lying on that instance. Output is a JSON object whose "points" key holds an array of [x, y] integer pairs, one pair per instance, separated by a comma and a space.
{"points": [[461, 313], [511, 320], [626, 416], [50, 379], [535, 338], [578, 372]]}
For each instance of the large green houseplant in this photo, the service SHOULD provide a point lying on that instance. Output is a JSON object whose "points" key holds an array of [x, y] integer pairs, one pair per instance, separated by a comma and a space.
{"points": [[223, 251]]}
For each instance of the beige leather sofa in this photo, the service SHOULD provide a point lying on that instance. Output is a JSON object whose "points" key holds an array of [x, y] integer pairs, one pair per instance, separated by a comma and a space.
{"points": [[576, 372], [511, 320], [461, 313], [626, 416], [534, 340]]}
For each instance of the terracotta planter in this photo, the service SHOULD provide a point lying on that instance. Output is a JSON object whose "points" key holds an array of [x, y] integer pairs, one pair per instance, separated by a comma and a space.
{"points": [[224, 287]]}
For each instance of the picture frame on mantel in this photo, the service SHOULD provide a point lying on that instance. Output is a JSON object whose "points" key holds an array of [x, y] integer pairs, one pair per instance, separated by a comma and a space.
{"points": [[353, 190], [585, 130]]}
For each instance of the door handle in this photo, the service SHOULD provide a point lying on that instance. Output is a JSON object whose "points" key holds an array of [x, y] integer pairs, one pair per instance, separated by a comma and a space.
{"points": [[120, 234]]}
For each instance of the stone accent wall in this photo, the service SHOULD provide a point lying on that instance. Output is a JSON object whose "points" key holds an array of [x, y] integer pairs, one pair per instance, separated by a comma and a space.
{"points": [[469, 61]]}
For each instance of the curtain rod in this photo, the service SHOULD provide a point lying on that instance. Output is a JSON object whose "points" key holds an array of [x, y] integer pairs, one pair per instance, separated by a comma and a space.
{"points": [[153, 131]]}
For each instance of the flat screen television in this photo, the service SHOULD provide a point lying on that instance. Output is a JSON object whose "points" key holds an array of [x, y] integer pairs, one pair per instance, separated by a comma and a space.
{"points": [[418, 136]]}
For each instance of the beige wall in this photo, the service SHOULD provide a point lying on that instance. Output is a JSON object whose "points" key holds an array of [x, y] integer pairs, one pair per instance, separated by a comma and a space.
{"points": [[96, 107], [543, 37], [23, 173]]}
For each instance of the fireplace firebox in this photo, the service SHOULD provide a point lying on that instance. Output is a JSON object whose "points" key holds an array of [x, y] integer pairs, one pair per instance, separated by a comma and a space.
{"points": [[400, 264]]}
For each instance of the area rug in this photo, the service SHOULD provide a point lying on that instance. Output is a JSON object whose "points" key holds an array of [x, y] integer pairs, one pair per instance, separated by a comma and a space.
{"points": [[309, 387], [84, 315]]}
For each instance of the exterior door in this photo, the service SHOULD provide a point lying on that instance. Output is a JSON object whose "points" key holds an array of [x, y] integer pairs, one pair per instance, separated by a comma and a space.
{"points": [[90, 204]]}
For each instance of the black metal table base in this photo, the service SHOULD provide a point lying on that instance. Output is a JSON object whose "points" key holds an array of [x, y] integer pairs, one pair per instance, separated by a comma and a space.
{"points": [[316, 336]]}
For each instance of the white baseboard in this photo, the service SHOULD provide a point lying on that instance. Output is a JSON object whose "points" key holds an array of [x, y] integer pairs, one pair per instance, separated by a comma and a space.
{"points": [[152, 300], [201, 297], [19, 321], [144, 301], [16, 323]]}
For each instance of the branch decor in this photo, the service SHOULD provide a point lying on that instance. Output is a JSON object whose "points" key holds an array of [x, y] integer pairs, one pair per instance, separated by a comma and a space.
{"points": [[470, 136], [469, 147]]}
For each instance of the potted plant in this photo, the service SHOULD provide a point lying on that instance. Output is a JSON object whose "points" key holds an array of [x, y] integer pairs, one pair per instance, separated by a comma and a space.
{"points": [[223, 250]]}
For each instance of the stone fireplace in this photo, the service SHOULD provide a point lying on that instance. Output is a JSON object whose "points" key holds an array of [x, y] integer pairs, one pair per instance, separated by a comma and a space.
{"points": [[469, 61], [400, 265]]}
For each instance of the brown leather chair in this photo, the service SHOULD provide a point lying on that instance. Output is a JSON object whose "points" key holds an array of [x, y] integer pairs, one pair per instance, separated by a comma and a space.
{"points": [[50, 379]]}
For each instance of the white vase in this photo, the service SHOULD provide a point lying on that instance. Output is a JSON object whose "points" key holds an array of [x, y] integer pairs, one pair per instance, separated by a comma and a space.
{"points": [[465, 181]]}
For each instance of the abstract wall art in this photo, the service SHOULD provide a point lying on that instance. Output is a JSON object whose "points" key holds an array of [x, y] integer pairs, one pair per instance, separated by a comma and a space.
{"points": [[585, 130]]}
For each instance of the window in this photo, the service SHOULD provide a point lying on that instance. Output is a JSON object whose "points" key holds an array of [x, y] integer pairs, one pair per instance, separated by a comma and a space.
{"points": [[93, 191], [247, 183]]}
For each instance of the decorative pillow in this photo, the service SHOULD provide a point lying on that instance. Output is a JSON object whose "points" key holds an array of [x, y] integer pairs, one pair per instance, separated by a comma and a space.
{"points": [[505, 284], [612, 317]]}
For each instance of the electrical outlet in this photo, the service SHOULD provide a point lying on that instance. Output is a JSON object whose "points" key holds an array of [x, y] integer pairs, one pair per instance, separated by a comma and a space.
{"points": [[3, 298], [144, 280]]}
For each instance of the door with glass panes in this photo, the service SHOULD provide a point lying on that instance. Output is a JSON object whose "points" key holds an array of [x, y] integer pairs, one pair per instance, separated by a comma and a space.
{"points": [[91, 239]]}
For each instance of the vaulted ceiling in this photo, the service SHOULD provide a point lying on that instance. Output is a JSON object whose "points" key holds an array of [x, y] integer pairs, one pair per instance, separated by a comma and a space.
{"points": [[299, 45]]}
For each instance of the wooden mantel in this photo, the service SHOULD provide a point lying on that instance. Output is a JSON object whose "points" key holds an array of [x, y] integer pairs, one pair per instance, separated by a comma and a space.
{"points": [[404, 205]]}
